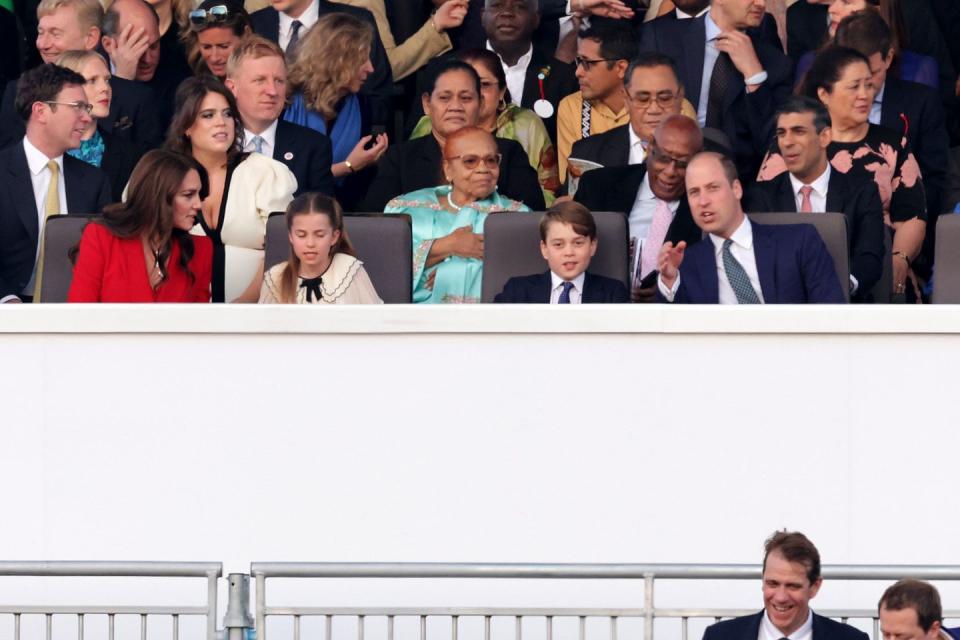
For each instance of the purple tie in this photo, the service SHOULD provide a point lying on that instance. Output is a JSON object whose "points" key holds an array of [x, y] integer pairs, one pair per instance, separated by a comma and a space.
{"points": [[662, 217]]}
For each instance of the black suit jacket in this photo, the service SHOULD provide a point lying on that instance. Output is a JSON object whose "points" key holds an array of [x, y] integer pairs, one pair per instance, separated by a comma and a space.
{"points": [[806, 28], [610, 148], [120, 156], [748, 628], [308, 155], [615, 189], [536, 289], [858, 200], [767, 28], [379, 84], [747, 118], [133, 114], [925, 131], [416, 164], [558, 84], [87, 192]]}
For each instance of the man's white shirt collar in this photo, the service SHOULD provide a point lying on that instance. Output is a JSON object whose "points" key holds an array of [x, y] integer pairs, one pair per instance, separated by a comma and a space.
{"points": [[308, 18], [819, 185], [577, 282], [269, 136], [712, 30], [769, 632], [36, 160], [683, 15], [742, 237], [638, 151], [646, 193]]}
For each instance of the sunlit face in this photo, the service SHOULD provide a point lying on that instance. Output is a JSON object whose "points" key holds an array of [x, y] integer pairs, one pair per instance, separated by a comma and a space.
{"points": [[667, 161], [490, 90], [216, 45], [260, 86], [186, 201], [363, 71], [567, 252], [313, 239], [60, 31], [904, 624], [472, 165], [742, 14], [63, 124], [213, 130], [787, 592], [714, 201], [803, 149], [851, 97], [597, 78], [840, 9], [453, 104], [653, 95], [97, 88]]}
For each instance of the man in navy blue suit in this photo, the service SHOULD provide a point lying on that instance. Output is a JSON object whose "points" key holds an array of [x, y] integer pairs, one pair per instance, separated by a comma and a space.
{"points": [[568, 239], [791, 579], [742, 263], [911, 610]]}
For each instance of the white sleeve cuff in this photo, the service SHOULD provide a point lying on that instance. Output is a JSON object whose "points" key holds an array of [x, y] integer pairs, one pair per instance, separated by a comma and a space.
{"points": [[854, 285], [9, 298], [670, 293], [757, 78]]}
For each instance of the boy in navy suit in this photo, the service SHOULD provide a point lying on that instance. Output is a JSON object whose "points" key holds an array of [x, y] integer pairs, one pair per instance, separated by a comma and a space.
{"points": [[568, 239]]}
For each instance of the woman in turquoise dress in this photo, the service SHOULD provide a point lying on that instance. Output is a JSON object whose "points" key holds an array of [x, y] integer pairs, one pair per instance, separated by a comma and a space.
{"points": [[448, 220]]}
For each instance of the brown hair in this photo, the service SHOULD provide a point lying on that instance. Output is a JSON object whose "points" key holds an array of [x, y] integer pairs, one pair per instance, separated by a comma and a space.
{"points": [[190, 96], [920, 596], [729, 168], [306, 203], [75, 59], [238, 21], [327, 58], [572, 213], [253, 47], [794, 547]]}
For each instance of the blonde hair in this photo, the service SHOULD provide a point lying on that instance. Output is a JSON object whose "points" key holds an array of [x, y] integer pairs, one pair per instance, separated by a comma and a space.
{"points": [[89, 12], [254, 47], [75, 60], [327, 59]]}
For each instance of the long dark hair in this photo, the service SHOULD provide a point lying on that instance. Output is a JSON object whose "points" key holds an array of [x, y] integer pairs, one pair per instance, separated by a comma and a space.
{"points": [[148, 210], [190, 96], [827, 68]]}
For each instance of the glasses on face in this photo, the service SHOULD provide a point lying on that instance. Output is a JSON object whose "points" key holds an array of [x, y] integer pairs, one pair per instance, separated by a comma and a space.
{"points": [[664, 99], [663, 158], [587, 64], [214, 15], [78, 106], [471, 162]]}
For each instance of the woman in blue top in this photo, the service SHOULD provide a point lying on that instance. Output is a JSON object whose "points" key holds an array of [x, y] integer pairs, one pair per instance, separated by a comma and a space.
{"points": [[448, 220]]}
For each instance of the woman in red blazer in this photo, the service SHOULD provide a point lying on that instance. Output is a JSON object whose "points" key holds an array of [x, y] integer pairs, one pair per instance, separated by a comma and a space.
{"points": [[141, 250]]}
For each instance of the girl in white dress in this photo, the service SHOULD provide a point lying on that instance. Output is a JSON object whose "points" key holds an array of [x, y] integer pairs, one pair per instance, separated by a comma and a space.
{"points": [[323, 268]]}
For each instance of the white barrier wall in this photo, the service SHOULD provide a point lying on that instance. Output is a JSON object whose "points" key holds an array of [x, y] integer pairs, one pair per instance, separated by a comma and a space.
{"points": [[634, 434]]}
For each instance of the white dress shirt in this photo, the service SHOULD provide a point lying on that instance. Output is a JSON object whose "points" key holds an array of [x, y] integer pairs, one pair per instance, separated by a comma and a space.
{"points": [[637, 151], [40, 180], [742, 250], [269, 136], [516, 74], [683, 15], [876, 109], [770, 632], [818, 197], [710, 55], [576, 293], [641, 215], [308, 18]]}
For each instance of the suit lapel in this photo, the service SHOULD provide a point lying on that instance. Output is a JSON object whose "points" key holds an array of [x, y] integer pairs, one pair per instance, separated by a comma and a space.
{"points": [[764, 250], [620, 145], [835, 193], [785, 200], [74, 186], [543, 288], [705, 265], [627, 192], [694, 43], [531, 86], [891, 107], [273, 29], [590, 291], [281, 142], [21, 190]]}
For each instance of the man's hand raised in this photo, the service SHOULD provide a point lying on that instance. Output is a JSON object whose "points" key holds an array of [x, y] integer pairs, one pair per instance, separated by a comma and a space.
{"points": [[669, 262]]}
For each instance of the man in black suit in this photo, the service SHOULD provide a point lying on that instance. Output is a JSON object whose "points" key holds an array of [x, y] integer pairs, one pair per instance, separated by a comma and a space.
{"points": [[568, 240], [37, 178], [730, 72], [653, 92], [257, 77], [809, 184], [807, 22], [791, 578], [652, 196], [286, 21], [509, 27], [76, 24], [688, 9]]}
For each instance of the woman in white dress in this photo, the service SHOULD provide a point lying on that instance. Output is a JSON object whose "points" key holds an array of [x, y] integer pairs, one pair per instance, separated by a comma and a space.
{"points": [[244, 188]]}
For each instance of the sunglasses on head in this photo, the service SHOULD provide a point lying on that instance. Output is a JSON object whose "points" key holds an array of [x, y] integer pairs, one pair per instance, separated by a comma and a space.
{"points": [[214, 15]]}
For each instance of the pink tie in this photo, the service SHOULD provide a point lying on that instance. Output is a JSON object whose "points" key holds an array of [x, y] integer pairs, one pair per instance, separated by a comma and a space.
{"points": [[662, 217], [805, 205]]}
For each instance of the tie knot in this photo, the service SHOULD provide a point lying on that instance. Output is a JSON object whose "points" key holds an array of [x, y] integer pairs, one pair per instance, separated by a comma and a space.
{"points": [[53, 167], [295, 26], [567, 286], [806, 190], [726, 244]]}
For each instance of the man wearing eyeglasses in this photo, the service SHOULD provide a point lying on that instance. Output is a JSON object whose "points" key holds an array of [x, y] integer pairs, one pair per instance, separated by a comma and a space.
{"points": [[653, 93], [605, 47], [38, 179]]}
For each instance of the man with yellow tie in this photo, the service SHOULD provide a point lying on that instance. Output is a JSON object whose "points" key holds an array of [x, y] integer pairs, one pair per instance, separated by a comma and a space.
{"points": [[37, 179]]}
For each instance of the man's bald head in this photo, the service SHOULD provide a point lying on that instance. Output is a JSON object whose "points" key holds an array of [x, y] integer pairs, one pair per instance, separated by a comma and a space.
{"points": [[681, 127], [128, 19], [675, 141]]}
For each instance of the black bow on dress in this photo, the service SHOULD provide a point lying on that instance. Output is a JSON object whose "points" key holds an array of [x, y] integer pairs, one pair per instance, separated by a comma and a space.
{"points": [[312, 285]]}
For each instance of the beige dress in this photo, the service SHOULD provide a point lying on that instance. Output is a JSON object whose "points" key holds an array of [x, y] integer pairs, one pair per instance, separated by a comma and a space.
{"points": [[344, 282]]}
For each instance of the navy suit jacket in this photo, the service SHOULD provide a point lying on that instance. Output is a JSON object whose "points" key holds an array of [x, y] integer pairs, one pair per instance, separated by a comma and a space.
{"points": [[747, 118], [536, 289], [858, 200], [793, 264], [379, 84], [308, 155], [748, 628], [767, 28], [560, 82], [88, 191]]}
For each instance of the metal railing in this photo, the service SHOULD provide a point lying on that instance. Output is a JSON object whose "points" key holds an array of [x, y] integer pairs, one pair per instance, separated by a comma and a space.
{"points": [[648, 573], [210, 571]]}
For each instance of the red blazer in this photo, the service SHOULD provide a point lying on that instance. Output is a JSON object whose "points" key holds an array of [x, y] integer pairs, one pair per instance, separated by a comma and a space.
{"points": [[112, 269]]}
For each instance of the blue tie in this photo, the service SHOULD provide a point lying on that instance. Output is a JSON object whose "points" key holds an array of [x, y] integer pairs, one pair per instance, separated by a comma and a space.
{"points": [[737, 277], [258, 144], [565, 294]]}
